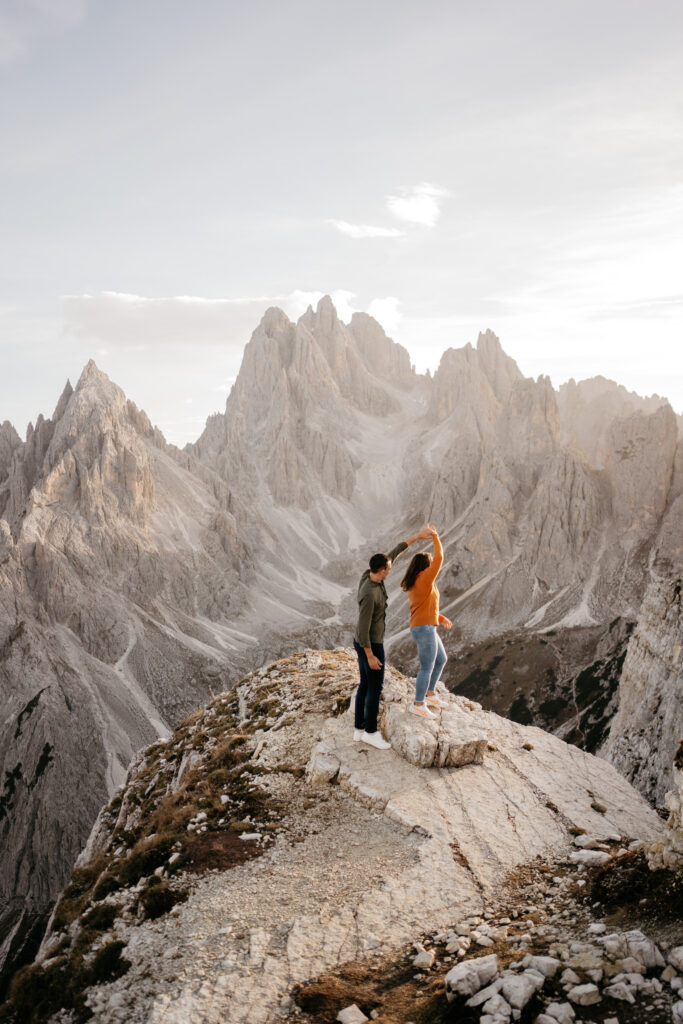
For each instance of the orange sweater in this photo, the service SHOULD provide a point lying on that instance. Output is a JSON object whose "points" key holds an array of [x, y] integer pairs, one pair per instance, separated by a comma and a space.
{"points": [[424, 594]]}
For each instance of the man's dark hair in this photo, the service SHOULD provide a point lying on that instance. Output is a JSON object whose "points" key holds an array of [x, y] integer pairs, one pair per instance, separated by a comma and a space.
{"points": [[378, 562]]}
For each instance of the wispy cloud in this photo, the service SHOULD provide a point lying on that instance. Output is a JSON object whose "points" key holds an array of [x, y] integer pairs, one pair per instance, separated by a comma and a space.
{"points": [[365, 230], [420, 204]]}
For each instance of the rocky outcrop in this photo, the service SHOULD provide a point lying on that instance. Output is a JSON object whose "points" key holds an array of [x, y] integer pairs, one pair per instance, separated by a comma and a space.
{"points": [[286, 902], [667, 851], [647, 727]]}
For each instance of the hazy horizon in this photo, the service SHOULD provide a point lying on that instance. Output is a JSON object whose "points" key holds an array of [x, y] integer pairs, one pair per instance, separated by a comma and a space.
{"points": [[228, 385]]}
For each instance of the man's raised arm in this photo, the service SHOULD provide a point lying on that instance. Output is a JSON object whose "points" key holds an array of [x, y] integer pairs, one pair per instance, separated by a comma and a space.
{"points": [[395, 552]]}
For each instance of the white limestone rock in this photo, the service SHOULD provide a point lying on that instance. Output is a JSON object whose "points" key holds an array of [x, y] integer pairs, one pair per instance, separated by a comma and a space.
{"points": [[561, 1012], [323, 766], [351, 1015], [424, 959], [586, 842], [448, 741], [519, 988], [486, 993], [548, 966], [584, 995], [620, 990], [591, 858], [496, 1004], [467, 978]]}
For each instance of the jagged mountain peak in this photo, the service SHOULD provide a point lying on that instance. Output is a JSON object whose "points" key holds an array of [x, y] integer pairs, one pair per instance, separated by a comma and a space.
{"points": [[63, 402], [274, 321], [92, 377], [489, 340], [469, 376], [324, 317], [9, 434]]}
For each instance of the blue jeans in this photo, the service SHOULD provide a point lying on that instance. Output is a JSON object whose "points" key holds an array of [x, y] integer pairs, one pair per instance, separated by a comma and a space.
{"points": [[432, 657]]}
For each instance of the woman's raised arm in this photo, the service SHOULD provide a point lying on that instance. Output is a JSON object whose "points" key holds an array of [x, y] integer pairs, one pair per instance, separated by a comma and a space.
{"points": [[430, 574]]}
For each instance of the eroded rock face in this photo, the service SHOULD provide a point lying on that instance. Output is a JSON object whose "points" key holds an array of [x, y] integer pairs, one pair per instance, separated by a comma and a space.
{"points": [[646, 730], [667, 851]]}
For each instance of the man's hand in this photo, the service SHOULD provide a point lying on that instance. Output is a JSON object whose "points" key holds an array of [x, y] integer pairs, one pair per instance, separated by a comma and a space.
{"points": [[425, 533], [431, 530], [374, 663], [446, 623]]}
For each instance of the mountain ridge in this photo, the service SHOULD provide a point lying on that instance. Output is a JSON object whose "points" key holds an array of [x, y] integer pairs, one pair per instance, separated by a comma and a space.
{"points": [[136, 578]]}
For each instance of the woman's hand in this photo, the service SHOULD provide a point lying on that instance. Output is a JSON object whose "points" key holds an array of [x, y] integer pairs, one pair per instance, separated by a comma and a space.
{"points": [[446, 623], [433, 530]]}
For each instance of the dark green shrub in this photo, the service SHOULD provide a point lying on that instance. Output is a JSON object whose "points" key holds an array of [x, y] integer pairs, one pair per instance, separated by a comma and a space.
{"points": [[108, 963], [218, 778], [108, 883], [101, 918], [159, 899], [147, 855]]}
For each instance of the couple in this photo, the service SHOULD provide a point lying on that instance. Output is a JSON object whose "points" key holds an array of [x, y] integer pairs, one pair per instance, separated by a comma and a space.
{"points": [[419, 583]]}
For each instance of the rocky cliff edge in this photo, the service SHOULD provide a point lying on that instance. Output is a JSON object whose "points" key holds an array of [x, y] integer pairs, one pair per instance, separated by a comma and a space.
{"points": [[260, 846]]}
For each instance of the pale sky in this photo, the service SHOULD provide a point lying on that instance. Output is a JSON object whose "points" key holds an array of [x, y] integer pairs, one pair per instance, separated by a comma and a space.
{"points": [[170, 169]]}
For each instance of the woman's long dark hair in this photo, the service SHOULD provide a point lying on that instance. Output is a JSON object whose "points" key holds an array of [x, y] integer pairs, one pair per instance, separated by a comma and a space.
{"points": [[420, 562]]}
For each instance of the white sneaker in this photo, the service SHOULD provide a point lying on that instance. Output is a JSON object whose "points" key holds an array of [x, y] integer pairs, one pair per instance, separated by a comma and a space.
{"points": [[435, 702], [357, 735], [421, 710], [375, 739]]}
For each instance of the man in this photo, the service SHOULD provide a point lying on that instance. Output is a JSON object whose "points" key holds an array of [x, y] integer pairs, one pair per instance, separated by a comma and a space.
{"points": [[369, 642]]}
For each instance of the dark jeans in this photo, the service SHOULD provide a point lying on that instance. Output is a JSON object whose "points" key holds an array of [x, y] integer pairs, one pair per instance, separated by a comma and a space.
{"points": [[371, 682]]}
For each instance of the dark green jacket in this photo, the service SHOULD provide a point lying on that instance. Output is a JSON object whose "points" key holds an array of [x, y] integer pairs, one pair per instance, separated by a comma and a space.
{"points": [[372, 605]]}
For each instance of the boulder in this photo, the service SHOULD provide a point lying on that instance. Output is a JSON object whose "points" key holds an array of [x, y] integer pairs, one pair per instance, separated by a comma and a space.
{"points": [[584, 995], [591, 858], [351, 1015], [446, 741], [518, 989], [467, 978], [563, 1013]]}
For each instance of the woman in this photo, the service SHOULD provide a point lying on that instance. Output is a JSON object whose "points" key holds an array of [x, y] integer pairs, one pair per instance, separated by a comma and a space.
{"points": [[419, 583]]}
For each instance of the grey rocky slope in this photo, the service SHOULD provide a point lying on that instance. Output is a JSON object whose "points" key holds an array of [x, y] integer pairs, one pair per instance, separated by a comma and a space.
{"points": [[364, 853], [134, 578], [647, 728]]}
